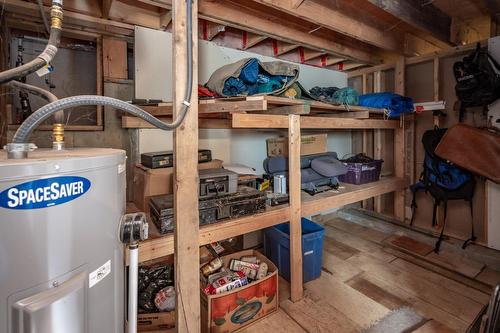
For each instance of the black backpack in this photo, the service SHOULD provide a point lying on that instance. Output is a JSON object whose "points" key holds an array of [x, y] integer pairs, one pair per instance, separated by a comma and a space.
{"points": [[443, 180], [477, 82]]}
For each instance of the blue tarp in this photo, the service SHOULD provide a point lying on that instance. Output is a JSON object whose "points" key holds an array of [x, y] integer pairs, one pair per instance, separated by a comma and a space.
{"points": [[394, 103]]}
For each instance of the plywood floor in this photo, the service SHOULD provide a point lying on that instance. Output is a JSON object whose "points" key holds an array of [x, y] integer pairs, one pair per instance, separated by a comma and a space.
{"points": [[369, 271]]}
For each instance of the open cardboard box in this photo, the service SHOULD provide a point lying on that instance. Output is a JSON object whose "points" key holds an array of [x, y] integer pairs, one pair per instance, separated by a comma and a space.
{"points": [[241, 307]]}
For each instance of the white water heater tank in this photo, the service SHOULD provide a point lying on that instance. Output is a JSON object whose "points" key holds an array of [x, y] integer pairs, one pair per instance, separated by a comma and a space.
{"points": [[61, 261]]}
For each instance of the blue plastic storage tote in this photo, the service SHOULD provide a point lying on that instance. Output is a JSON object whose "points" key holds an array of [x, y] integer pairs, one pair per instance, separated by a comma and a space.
{"points": [[277, 248]]}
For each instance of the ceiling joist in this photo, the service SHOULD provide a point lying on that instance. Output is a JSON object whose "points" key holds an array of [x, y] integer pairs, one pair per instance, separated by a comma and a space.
{"points": [[423, 16], [229, 13], [332, 19]]}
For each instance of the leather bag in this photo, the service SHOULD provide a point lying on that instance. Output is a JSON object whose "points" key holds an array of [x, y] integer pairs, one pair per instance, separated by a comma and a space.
{"points": [[473, 149]]}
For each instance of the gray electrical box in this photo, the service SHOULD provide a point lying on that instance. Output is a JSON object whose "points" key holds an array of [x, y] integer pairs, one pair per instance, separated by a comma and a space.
{"points": [[61, 260]]}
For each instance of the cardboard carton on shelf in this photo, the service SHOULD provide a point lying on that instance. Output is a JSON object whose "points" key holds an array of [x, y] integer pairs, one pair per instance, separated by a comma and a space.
{"points": [[309, 144], [233, 310], [150, 182]]}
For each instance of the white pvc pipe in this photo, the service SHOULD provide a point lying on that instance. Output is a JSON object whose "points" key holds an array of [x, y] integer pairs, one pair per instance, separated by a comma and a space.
{"points": [[133, 276]]}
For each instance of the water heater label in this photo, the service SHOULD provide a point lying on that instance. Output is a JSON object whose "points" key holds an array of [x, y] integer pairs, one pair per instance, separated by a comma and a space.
{"points": [[99, 274], [43, 193]]}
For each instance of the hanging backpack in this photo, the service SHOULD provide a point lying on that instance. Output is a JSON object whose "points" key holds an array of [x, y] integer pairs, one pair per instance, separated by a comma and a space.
{"points": [[478, 84], [444, 181]]}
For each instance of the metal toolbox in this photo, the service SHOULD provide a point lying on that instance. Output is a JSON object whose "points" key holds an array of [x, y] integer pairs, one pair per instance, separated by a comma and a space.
{"points": [[245, 201], [165, 159]]}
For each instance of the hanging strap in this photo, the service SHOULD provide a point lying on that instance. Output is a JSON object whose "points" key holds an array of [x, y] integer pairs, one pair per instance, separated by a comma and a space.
{"points": [[413, 207], [441, 236], [434, 212], [472, 236]]}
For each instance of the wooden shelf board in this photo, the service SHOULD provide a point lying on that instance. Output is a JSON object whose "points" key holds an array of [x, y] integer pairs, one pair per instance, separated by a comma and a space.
{"points": [[161, 245], [138, 123], [349, 194], [278, 121], [256, 104]]}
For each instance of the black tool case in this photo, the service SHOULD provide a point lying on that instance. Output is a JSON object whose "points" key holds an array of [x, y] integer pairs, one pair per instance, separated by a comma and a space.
{"points": [[246, 201], [165, 159]]}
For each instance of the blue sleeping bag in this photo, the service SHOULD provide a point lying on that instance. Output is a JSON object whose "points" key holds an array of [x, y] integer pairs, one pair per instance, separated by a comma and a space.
{"points": [[394, 103]]}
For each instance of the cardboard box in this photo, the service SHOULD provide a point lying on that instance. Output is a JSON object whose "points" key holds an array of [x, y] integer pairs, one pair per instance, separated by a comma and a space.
{"points": [[310, 144], [155, 321], [150, 182], [238, 308]]}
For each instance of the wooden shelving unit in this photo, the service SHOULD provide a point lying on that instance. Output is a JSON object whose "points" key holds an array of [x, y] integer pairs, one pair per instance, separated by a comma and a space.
{"points": [[159, 245], [235, 113]]}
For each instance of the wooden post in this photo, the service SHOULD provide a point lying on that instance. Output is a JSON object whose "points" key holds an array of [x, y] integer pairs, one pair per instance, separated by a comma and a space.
{"points": [[367, 141], [99, 81], [437, 122], [187, 257], [399, 145], [295, 207], [436, 87], [377, 139]]}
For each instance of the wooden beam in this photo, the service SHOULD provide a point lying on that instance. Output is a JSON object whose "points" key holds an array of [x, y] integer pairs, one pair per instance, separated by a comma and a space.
{"points": [[335, 20], [106, 6], [138, 123], [210, 29], [280, 48], [297, 3], [22, 7], [242, 120], [262, 23], [296, 291], [369, 70], [332, 60], [308, 54], [165, 19], [249, 40], [352, 66], [187, 252], [377, 140], [163, 245], [158, 3], [427, 18], [303, 109], [354, 115], [352, 193], [99, 79], [136, 15], [399, 145]]}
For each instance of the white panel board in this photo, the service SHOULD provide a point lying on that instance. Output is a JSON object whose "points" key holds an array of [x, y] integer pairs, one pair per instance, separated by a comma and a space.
{"points": [[153, 79], [493, 213], [153, 64]]}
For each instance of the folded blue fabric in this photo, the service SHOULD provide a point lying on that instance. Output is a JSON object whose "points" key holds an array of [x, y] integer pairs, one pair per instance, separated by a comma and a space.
{"points": [[250, 72], [234, 86], [394, 103], [253, 80]]}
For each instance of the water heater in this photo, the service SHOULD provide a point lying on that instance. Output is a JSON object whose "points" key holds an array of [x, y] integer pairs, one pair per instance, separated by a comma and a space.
{"points": [[61, 260]]}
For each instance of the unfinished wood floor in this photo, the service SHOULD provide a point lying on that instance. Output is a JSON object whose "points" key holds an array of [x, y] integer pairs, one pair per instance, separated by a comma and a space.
{"points": [[367, 272]]}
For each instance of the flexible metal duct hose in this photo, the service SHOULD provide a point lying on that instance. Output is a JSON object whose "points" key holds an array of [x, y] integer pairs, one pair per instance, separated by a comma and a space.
{"points": [[46, 111]]}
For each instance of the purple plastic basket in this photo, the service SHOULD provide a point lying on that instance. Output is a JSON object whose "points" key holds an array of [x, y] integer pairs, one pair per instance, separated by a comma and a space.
{"points": [[362, 173]]}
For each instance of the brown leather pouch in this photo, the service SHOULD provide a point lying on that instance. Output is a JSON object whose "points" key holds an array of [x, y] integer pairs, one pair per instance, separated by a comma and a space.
{"points": [[474, 149]]}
